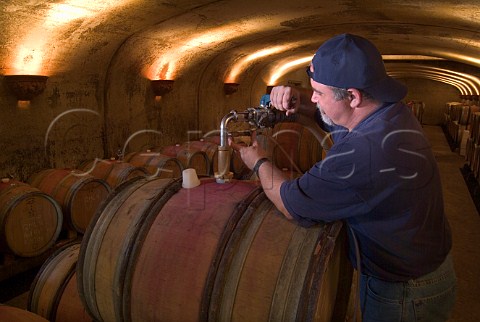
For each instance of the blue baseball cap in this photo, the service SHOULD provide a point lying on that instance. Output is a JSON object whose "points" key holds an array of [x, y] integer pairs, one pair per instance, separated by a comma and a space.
{"points": [[350, 61]]}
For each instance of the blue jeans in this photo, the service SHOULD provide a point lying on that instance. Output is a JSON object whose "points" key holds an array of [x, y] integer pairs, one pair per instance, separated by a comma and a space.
{"points": [[427, 298]]}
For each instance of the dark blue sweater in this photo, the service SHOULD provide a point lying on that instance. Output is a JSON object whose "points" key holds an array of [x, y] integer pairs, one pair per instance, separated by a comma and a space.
{"points": [[383, 180]]}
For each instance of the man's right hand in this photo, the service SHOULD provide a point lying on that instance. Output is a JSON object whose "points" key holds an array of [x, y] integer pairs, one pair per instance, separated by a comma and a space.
{"points": [[285, 98]]}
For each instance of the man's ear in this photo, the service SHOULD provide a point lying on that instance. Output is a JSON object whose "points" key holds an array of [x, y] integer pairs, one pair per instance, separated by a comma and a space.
{"points": [[355, 97]]}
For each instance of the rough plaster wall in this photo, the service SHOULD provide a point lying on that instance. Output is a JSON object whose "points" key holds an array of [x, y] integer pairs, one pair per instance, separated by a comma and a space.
{"points": [[214, 104], [434, 94], [136, 118], [40, 137], [77, 56]]}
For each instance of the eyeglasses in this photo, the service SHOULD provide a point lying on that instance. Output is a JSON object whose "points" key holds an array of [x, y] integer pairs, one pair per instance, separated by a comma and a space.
{"points": [[309, 72]]}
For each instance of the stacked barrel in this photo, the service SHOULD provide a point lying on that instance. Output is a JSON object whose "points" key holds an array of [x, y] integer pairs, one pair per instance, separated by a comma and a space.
{"points": [[418, 108], [202, 155], [453, 127], [472, 156], [53, 294], [151, 249], [216, 252], [78, 194], [30, 220], [459, 118], [55, 206]]}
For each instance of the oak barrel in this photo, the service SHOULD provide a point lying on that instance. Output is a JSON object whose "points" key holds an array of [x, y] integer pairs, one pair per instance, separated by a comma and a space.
{"points": [[30, 220], [189, 157], [157, 164], [15, 314], [114, 172], [54, 294], [209, 148], [294, 147], [238, 168], [79, 194], [216, 252]]}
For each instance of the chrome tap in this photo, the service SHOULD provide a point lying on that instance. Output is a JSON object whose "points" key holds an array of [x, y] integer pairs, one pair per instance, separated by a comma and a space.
{"points": [[259, 118], [224, 174]]}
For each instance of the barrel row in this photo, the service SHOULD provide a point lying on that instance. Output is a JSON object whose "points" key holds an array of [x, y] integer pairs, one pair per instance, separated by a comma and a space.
{"points": [[78, 194], [170, 160], [81, 191], [30, 220], [34, 213], [458, 112], [155, 251], [461, 125], [70, 198], [472, 147], [12, 313], [216, 252], [53, 294], [292, 147], [418, 108]]}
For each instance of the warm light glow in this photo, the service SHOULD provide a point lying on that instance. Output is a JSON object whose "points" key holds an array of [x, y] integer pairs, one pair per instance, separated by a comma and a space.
{"points": [[241, 65], [23, 105], [33, 51], [171, 60], [410, 57], [281, 70], [205, 40], [164, 69], [166, 66], [68, 11], [461, 87], [466, 59], [28, 60], [470, 83], [472, 59], [470, 79], [63, 13]]}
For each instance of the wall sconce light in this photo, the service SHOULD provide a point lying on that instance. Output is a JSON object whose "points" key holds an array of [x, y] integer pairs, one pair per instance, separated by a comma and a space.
{"points": [[162, 86], [230, 88], [26, 87]]}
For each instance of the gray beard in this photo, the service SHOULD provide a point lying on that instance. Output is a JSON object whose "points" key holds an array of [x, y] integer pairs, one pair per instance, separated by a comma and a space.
{"points": [[325, 118]]}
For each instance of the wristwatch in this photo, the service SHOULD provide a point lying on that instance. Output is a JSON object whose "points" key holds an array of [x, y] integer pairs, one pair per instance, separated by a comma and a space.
{"points": [[257, 165]]}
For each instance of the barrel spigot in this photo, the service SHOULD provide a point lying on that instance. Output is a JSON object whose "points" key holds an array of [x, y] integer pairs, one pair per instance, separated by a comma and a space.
{"points": [[224, 174]]}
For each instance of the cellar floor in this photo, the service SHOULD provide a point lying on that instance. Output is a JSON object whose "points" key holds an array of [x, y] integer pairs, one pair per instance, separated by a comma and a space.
{"points": [[465, 223]]}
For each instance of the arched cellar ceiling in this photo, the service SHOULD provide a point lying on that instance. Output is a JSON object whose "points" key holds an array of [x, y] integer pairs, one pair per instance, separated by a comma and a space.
{"points": [[52, 37]]}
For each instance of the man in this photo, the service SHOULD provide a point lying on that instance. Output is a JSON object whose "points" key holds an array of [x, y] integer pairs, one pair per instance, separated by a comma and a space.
{"points": [[380, 177]]}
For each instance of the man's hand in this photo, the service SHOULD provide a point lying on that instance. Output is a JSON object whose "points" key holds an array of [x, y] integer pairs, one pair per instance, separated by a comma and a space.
{"points": [[270, 177], [249, 154], [285, 98]]}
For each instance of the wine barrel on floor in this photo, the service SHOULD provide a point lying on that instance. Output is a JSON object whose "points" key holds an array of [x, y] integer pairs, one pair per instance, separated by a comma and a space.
{"points": [[15, 314], [189, 157], [30, 220], [210, 148], [79, 194], [216, 252], [294, 147], [114, 172], [157, 164], [54, 294]]}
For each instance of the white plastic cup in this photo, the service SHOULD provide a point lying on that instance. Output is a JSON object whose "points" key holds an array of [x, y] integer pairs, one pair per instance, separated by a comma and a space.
{"points": [[190, 178]]}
